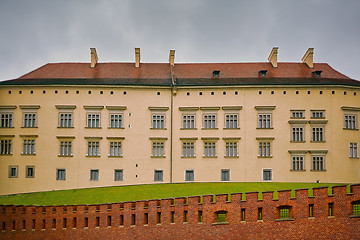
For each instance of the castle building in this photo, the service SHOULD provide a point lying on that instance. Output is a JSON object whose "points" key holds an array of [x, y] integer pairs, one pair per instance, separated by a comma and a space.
{"points": [[81, 125]]}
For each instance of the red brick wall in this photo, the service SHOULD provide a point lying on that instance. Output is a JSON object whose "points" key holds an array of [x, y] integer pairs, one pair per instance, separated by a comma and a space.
{"points": [[128, 220]]}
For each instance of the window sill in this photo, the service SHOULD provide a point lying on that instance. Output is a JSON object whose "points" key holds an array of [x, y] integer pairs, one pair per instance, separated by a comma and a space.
{"points": [[188, 156], [64, 127], [265, 156], [317, 141], [293, 170], [209, 156], [115, 156], [158, 156], [6, 154], [317, 170], [284, 219], [29, 127], [158, 128], [354, 216], [188, 128], [354, 157], [6, 127], [65, 155], [221, 223], [116, 128], [354, 129], [231, 128], [28, 154], [92, 127], [231, 156], [264, 128], [297, 141], [209, 128], [97, 156]]}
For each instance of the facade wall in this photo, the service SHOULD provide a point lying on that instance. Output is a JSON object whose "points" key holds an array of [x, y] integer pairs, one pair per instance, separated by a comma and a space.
{"points": [[137, 135], [205, 217]]}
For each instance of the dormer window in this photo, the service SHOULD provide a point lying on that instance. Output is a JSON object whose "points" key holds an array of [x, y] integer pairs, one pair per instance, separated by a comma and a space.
{"points": [[317, 73], [262, 73], [216, 73]]}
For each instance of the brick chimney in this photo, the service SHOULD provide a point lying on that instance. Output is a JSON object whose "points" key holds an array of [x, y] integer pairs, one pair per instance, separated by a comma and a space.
{"points": [[94, 57], [308, 58], [273, 57], [137, 57], [172, 58]]}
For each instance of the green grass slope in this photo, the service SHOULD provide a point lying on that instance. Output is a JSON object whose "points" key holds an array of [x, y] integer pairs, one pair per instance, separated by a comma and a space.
{"points": [[146, 192]]}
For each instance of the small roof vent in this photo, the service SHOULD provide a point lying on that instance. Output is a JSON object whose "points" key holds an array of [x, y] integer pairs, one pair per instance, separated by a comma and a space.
{"points": [[317, 73], [216, 73], [262, 73]]}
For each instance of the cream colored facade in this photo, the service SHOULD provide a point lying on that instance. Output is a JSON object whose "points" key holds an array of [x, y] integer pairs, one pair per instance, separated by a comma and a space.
{"points": [[303, 134]]}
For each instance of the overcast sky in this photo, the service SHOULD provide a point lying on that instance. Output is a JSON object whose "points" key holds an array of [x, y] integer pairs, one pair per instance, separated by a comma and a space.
{"points": [[36, 32]]}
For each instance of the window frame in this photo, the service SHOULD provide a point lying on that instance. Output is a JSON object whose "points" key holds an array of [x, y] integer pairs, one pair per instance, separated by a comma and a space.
{"points": [[93, 111], [297, 131], [317, 133], [225, 175], [263, 174], [210, 148], [158, 112], [158, 175], [191, 174], [91, 144], [317, 114], [293, 114], [188, 143], [353, 150], [6, 145], [212, 112], [69, 110], [11, 175], [266, 123], [28, 145], [60, 174], [320, 166], [118, 175], [27, 175], [119, 111], [353, 112], [265, 147], [231, 141], [188, 123], [298, 164], [94, 175]]}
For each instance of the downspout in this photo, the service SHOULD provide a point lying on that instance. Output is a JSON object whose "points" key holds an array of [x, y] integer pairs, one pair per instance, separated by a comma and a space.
{"points": [[171, 123]]}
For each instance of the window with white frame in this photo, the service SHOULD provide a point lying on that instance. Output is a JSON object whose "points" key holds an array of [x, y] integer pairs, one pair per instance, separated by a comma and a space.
{"points": [[13, 171], [118, 175], [60, 174], [158, 175], [28, 147], [317, 114], [264, 148], [350, 121], [188, 149], [6, 147], [297, 114], [225, 175], [353, 151], [267, 174], [318, 133], [231, 149], [264, 116], [188, 121], [189, 175], [65, 148], [30, 172], [209, 121], [209, 149], [29, 115], [158, 149], [6, 120], [116, 120], [297, 162], [231, 120], [65, 120], [115, 149], [93, 148], [318, 163], [297, 133], [93, 116], [94, 174], [158, 117]]}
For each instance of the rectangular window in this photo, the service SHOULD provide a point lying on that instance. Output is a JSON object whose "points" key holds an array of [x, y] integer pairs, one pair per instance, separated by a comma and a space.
{"points": [[189, 175], [311, 210], [210, 121], [188, 149], [318, 134], [318, 163], [209, 149], [60, 174], [118, 175], [356, 208], [6, 120], [331, 209], [231, 121], [225, 175], [350, 121], [264, 149], [116, 120], [297, 163], [93, 120], [158, 149], [94, 175], [259, 213], [267, 174], [65, 120], [13, 171], [297, 134], [284, 213], [6, 147], [231, 149], [29, 147], [115, 149], [65, 148], [317, 114], [297, 114], [264, 120], [30, 171], [29, 120], [353, 153], [188, 121], [158, 121], [158, 175], [93, 149]]}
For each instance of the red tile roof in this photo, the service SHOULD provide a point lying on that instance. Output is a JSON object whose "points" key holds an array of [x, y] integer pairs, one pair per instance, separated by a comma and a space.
{"points": [[196, 74]]}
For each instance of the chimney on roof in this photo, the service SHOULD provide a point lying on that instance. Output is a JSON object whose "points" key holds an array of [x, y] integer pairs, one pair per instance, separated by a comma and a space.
{"points": [[273, 57], [137, 57], [172, 58], [308, 58], [94, 57]]}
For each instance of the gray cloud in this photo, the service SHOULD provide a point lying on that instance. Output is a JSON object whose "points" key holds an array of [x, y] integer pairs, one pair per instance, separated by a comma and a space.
{"points": [[36, 32]]}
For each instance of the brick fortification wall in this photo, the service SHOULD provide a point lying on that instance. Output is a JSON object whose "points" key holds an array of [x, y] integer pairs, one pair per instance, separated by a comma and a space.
{"points": [[320, 216]]}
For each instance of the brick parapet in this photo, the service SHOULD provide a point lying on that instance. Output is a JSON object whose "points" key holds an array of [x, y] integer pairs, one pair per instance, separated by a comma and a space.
{"points": [[196, 214]]}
